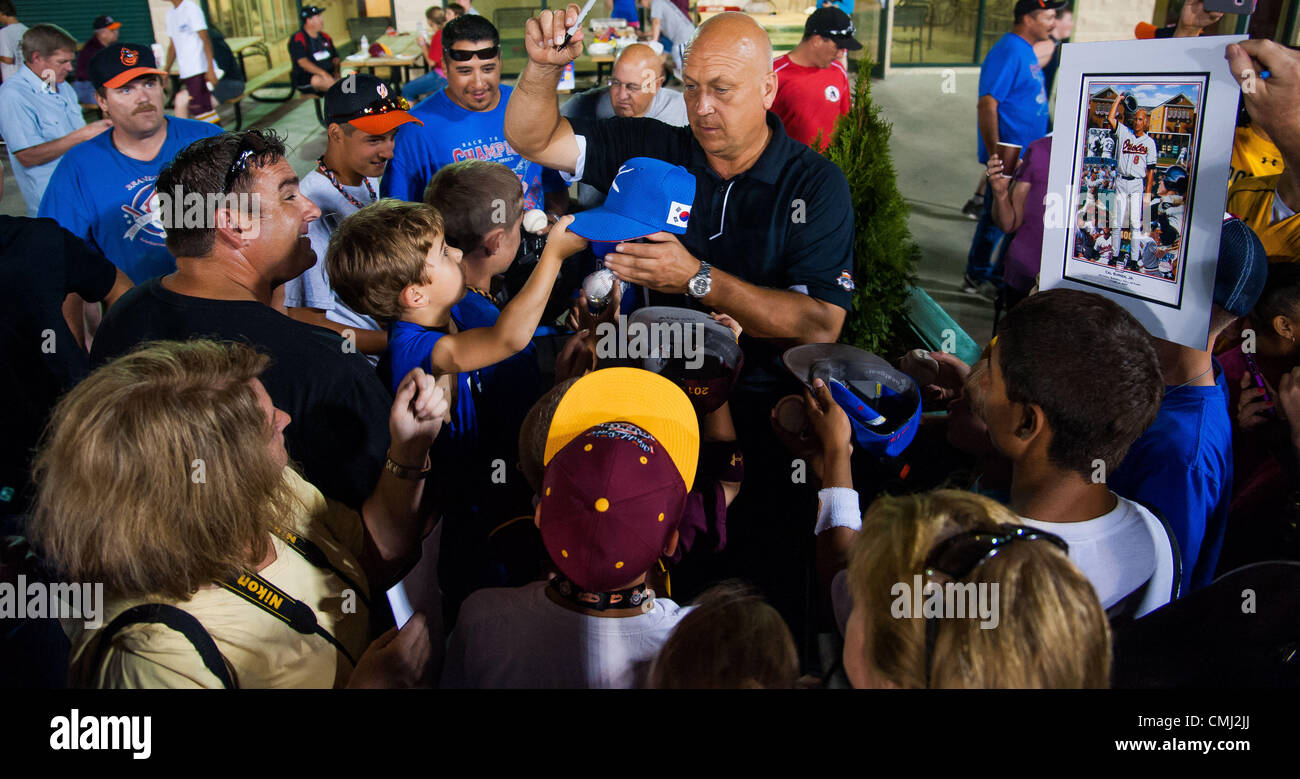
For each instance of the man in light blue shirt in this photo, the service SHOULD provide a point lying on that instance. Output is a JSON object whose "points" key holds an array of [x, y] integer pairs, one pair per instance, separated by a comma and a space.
{"points": [[41, 118]]}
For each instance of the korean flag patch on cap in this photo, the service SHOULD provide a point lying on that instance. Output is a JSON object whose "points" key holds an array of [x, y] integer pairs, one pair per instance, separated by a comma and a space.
{"points": [[679, 214]]}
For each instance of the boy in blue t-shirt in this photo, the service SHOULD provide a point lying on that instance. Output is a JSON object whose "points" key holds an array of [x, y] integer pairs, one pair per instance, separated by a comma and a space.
{"points": [[482, 208], [390, 261]]}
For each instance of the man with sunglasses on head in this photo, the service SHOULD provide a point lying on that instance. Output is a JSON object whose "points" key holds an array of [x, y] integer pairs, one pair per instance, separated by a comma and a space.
{"points": [[252, 238], [362, 117], [636, 89], [103, 190], [465, 121]]}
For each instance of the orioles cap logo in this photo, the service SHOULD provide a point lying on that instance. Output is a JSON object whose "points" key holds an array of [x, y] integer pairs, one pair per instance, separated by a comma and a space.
{"points": [[129, 57], [382, 90]]}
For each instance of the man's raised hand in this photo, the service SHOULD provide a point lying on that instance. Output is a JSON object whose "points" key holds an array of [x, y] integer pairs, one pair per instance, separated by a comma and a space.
{"points": [[544, 37]]}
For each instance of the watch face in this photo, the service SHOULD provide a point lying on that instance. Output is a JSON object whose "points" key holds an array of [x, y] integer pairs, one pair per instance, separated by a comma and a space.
{"points": [[699, 287]]}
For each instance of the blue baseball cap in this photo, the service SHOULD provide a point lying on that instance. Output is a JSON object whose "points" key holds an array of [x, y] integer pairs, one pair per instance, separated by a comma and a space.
{"points": [[646, 196], [883, 404]]}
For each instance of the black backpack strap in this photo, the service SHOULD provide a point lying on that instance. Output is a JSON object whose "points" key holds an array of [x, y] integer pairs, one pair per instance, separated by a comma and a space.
{"points": [[177, 619], [1125, 609], [1177, 589]]}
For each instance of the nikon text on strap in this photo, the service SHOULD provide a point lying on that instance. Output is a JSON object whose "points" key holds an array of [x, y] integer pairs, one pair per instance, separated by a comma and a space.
{"points": [[284, 607]]}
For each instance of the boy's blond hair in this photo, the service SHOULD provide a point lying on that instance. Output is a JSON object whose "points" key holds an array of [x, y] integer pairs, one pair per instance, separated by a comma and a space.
{"points": [[1051, 631], [476, 197], [379, 251]]}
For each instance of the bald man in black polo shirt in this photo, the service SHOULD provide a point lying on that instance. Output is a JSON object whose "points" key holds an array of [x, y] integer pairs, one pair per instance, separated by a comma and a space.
{"points": [[769, 242], [771, 234]]}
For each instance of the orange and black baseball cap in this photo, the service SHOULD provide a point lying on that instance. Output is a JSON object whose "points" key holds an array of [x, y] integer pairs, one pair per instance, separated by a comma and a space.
{"points": [[366, 103], [105, 23], [122, 62]]}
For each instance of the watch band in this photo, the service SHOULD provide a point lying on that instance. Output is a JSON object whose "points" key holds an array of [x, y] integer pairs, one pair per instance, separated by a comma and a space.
{"points": [[701, 274]]}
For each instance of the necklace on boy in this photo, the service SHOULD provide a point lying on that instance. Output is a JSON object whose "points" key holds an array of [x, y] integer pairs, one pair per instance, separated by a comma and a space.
{"points": [[333, 179], [1189, 381]]}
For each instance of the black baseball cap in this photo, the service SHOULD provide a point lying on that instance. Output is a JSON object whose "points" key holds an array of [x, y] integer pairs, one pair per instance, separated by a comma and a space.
{"points": [[105, 23], [366, 103], [308, 11], [1029, 6], [115, 65], [831, 22], [1242, 269]]}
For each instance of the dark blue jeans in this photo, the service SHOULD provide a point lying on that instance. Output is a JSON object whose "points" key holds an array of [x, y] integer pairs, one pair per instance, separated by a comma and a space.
{"points": [[979, 262]]}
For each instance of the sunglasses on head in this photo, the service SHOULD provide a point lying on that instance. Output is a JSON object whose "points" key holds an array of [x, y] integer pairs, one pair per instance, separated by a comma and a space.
{"points": [[379, 107], [956, 557], [847, 32], [240, 164], [465, 55]]}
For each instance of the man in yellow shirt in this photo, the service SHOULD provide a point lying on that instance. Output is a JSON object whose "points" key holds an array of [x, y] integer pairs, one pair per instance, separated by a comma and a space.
{"points": [[1253, 154], [1269, 203]]}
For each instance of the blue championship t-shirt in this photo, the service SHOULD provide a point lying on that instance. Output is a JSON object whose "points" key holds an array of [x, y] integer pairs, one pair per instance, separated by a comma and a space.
{"points": [[104, 197], [451, 134], [1011, 75]]}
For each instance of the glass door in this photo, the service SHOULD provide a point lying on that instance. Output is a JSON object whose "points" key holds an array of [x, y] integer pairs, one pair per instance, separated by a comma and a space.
{"points": [[935, 32]]}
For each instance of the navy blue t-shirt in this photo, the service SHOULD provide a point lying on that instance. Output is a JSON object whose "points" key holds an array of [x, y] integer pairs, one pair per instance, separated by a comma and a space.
{"points": [[1182, 466], [1011, 75]]}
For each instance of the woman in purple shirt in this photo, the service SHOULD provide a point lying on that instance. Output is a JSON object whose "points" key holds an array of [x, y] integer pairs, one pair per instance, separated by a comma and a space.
{"points": [[1018, 211]]}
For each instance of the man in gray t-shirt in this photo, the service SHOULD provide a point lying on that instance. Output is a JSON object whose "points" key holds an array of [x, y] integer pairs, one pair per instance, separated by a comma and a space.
{"points": [[362, 123], [636, 89], [668, 21]]}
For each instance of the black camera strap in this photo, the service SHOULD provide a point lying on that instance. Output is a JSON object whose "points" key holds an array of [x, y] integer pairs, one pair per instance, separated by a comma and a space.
{"points": [[317, 557], [284, 607]]}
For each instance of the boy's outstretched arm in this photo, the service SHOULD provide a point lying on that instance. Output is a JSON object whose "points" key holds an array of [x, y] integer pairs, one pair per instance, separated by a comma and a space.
{"points": [[483, 346]]}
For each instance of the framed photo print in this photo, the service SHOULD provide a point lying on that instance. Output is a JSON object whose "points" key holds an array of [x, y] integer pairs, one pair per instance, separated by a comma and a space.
{"points": [[1139, 175]]}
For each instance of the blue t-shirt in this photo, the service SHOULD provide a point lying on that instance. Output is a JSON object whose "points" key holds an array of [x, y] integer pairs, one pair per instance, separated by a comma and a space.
{"points": [[103, 197], [410, 346], [509, 388], [624, 9], [1182, 466], [1011, 75], [451, 134]]}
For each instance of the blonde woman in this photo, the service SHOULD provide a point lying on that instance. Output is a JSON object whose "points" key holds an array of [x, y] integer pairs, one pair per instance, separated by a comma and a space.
{"points": [[949, 588], [164, 476]]}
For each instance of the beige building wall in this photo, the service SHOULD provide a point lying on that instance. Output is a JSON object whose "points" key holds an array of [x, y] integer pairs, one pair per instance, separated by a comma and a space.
{"points": [[1109, 20]]}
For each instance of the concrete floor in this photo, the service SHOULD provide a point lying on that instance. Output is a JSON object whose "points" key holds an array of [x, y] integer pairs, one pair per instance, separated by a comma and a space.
{"points": [[934, 147], [935, 161]]}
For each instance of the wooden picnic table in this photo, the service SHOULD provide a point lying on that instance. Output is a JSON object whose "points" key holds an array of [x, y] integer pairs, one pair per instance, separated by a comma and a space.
{"points": [[601, 61], [241, 47], [406, 54]]}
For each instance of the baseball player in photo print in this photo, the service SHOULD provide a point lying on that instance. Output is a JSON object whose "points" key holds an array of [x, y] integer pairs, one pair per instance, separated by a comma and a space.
{"points": [[1135, 160]]}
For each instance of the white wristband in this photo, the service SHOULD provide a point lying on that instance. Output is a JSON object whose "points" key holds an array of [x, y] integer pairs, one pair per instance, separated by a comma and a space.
{"points": [[838, 507]]}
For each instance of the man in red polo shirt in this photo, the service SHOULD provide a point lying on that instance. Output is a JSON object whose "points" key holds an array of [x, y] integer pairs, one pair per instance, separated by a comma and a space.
{"points": [[813, 86]]}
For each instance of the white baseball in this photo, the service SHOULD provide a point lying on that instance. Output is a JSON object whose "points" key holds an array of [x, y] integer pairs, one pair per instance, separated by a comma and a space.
{"points": [[535, 220], [598, 286]]}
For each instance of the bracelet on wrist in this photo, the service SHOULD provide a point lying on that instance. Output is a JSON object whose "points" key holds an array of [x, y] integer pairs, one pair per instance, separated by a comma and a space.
{"points": [[405, 471]]}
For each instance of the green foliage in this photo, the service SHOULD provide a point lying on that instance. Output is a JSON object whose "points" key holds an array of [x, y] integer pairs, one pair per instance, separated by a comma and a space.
{"points": [[884, 255]]}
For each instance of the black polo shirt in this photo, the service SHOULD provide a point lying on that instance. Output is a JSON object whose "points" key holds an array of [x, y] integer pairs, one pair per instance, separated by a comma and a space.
{"points": [[320, 50], [785, 223]]}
